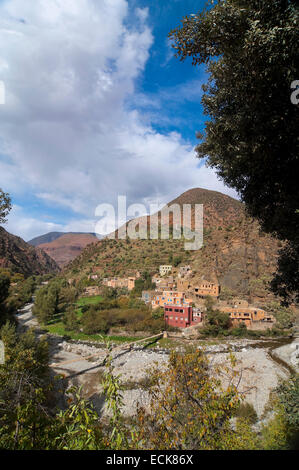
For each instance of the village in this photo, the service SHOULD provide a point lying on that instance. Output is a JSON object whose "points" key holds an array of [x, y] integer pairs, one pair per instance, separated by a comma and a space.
{"points": [[183, 299]]}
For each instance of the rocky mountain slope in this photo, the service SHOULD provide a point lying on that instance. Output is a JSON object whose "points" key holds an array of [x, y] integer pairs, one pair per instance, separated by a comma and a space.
{"points": [[236, 253], [21, 257], [67, 246], [51, 236]]}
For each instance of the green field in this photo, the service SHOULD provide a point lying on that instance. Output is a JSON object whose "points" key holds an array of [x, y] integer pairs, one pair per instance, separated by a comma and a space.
{"points": [[56, 325], [59, 329], [89, 300]]}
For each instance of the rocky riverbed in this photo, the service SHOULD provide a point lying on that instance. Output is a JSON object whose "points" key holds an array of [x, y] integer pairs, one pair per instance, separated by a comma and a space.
{"points": [[259, 372]]}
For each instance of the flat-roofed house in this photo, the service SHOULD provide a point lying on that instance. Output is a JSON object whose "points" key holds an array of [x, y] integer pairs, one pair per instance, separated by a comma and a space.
{"points": [[252, 317], [170, 298], [165, 269], [205, 288], [92, 290], [182, 316]]}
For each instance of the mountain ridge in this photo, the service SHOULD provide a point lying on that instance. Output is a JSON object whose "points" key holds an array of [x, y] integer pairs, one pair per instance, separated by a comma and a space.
{"points": [[52, 236], [66, 247], [236, 252], [21, 257]]}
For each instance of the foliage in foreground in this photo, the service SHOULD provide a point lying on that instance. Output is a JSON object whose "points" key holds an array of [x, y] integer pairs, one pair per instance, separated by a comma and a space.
{"points": [[192, 404]]}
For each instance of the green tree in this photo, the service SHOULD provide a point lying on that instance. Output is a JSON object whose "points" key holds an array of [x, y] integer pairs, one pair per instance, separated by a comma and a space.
{"points": [[24, 390], [250, 49], [70, 319], [288, 393], [5, 206], [4, 287], [210, 303], [284, 316], [46, 302], [221, 319]]}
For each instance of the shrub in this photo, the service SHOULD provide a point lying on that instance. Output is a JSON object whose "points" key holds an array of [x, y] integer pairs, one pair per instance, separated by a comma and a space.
{"points": [[247, 411]]}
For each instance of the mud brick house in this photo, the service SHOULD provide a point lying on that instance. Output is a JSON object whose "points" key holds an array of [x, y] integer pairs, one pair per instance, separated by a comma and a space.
{"points": [[165, 283], [128, 283], [199, 290], [91, 291], [252, 317]]}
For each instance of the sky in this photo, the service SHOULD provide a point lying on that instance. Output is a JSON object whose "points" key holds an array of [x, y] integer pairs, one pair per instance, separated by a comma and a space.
{"points": [[96, 106]]}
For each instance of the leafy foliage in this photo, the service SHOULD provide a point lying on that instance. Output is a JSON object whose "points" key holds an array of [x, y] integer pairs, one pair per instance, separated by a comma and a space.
{"points": [[190, 407], [5, 206]]}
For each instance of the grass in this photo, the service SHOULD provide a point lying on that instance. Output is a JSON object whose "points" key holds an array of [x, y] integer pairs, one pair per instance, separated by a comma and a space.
{"points": [[56, 325], [59, 329], [89, 300]]}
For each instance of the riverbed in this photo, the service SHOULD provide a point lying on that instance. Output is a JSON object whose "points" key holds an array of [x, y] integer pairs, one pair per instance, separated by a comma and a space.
{"points": [[262, 364]]}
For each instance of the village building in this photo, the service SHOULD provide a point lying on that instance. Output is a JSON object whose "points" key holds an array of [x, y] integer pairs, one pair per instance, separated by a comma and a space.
{"points": [[131, 283], [165, 269], [91, 291], [118, 283], [184, 271], [199, 290], [148, 295], [252, 317], [182, 316], [170, 298], [165, 283]]}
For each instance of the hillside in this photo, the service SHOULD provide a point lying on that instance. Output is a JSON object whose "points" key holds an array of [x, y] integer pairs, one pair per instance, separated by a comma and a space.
{"points": [[51, 236], [236, 252], [67, 246], [23, 258]]}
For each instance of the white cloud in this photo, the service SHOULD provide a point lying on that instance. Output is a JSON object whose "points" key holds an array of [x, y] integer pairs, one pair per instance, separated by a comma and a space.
{"points": [[70, 68], [20, 224]]}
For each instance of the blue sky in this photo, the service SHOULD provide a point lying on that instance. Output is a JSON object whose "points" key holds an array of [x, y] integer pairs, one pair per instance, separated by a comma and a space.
{"points": [[96, 106]]}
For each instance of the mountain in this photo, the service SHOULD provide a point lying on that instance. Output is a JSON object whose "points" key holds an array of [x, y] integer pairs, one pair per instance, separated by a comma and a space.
{"points": [[236, 253], [67, 246], [23, 258], [51, 236]]}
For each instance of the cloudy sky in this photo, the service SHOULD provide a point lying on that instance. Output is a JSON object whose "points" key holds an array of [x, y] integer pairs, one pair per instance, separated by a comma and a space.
{"points": [[96, 106]]}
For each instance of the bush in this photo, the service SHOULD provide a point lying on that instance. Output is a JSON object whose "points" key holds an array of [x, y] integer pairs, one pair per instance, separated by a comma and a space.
{"points": [[247, 411]]}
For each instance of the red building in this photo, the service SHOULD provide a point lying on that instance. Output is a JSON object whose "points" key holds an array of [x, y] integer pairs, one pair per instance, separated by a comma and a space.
{"points": [[181, 316]]}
